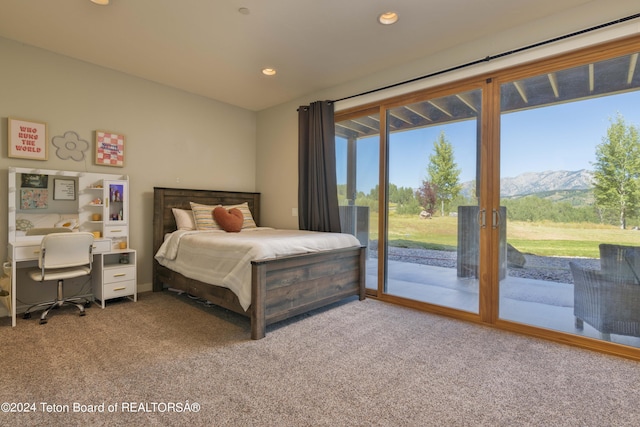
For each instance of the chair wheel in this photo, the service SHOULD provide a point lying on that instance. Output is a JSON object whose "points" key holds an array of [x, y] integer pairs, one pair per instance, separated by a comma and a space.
{"points": [[82, 313], [43, 321], [87, 304], [26, 316]]}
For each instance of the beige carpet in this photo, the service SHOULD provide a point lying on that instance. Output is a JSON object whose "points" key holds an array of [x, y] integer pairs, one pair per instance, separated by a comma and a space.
{"points": [[167, 360]]}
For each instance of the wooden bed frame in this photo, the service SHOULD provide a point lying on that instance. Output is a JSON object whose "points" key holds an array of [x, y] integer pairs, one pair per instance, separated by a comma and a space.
{"points": [[281, 287]]}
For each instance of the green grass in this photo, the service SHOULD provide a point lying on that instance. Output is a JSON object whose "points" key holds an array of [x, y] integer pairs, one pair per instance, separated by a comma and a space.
{"points": [[540, 238], [572, 248]]}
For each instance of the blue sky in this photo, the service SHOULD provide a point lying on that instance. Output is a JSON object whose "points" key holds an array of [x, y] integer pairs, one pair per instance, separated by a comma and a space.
{"points": [[560, 137]]}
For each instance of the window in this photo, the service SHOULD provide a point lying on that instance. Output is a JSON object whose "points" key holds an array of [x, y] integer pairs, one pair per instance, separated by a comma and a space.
{"points": [[552, 127], [492, 184]]}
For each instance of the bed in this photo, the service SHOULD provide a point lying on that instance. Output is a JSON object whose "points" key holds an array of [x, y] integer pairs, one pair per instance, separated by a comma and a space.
{"points": [[281, 287]]}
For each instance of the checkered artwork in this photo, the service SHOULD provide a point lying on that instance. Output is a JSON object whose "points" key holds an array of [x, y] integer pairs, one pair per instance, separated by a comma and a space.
{"points": [[109, 149]]}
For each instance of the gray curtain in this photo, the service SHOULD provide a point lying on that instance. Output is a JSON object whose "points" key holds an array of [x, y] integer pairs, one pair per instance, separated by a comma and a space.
{"points": [[317, 186]]}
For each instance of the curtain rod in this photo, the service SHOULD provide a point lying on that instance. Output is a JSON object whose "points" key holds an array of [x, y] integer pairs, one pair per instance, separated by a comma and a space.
{"points": [[492, 57]]}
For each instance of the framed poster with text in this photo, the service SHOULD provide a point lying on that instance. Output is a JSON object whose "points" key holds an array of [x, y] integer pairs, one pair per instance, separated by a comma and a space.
{"points": [[27, 139], [64, 189], [109, 149]]}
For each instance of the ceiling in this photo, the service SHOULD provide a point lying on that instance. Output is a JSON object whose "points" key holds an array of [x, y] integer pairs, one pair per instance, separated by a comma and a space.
{"points": [[209, 48]]}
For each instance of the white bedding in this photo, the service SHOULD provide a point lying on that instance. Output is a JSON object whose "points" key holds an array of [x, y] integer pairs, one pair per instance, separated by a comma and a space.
{"points": [[224, 259], [26, 221]]}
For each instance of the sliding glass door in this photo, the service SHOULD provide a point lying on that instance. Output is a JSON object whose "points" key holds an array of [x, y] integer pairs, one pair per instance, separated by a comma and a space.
{"points": [[416, 211], [357, 163], [432, 202], [512, 199], [570, 184]]}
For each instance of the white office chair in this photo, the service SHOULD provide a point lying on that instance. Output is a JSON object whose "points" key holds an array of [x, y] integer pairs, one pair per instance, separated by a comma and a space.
{"points": [[45, 231], [62, 256]]}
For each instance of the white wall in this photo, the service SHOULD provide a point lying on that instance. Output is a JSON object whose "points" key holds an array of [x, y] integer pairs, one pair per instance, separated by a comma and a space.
{"points": [[173, 139], [175, 136], [277, 147]]}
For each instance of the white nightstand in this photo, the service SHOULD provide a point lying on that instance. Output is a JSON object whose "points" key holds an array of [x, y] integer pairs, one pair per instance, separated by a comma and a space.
{"points": [[118, 278]]}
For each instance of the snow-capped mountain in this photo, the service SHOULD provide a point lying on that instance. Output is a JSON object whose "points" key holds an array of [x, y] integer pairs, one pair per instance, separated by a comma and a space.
{"points": [[536, 182]]}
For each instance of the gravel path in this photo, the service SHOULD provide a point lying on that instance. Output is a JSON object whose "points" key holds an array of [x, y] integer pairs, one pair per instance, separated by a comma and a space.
{"points": [[552, 269]]}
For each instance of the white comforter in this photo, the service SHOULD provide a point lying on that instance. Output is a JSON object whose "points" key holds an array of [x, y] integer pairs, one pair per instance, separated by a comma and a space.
{"points": [[224, 259]]}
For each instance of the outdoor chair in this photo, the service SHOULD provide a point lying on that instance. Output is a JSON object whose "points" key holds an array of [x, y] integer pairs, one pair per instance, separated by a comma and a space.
{"points": [[622, 260], [609, 302]]}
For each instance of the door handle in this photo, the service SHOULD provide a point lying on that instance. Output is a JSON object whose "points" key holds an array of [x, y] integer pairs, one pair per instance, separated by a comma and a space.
{"points": [[482, 218], [495, 218]]}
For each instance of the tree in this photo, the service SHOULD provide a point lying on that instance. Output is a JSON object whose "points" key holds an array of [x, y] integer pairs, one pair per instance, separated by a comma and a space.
{"points": [[443, 172], [400, 195], [617, 170], [373, 193], [427, 196]]}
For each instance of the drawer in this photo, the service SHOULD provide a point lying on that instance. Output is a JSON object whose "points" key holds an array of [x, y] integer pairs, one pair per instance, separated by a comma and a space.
{"points": [[102, 245], [23, 253], [111, 232], [119, 274], [120, 289]]}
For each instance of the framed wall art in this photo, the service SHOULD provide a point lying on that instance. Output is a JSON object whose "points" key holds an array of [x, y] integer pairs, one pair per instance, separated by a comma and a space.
{"points": [[34, 198], [27, 139], [34, 180], [64, 189], [109, 148]]}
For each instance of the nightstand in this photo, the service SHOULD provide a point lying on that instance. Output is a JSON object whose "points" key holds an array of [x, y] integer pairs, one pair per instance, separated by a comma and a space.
{"points": [[118, 276]]}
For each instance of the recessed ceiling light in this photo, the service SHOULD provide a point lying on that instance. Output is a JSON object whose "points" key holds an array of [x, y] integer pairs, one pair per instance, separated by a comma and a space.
{"points": [[388, 18], [269, 71], [100, 2], [244, 10]]}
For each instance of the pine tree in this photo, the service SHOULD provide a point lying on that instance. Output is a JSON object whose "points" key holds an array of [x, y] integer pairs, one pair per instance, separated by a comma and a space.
{"points": [[443, 171]]}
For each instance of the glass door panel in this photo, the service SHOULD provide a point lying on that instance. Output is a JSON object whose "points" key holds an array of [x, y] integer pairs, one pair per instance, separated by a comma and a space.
{"points": [[570, 165], [433, 231], [116, 201], [358, 177]]}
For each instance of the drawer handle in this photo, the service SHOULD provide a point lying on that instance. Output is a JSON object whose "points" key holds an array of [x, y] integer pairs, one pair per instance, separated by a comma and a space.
{"points": [[119, 289], [36, 251], [120, 275], [116, 231]]}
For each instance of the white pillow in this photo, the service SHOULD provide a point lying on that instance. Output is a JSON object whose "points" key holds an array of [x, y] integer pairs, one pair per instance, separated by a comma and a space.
{"points": [[40, 220], [203, 215], [69, 223], [184, 219], [246, 213]]}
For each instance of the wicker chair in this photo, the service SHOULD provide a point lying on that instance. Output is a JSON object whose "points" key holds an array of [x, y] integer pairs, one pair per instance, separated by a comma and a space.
{"points": [[622, 260], [610, 302]]}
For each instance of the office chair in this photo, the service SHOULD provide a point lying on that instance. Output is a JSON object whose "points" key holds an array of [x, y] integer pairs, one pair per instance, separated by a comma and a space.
{"points": [[45, 231], [62, 256]]}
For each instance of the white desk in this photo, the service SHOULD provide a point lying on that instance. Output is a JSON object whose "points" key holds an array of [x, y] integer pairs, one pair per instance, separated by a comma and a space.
{"points": [[24, 252]]}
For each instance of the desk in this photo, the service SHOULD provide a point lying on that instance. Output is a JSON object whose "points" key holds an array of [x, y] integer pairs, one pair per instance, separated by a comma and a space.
{"points": [[119, 281]]}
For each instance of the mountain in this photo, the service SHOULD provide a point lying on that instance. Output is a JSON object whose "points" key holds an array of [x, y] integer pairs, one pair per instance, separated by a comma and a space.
{"points": [[548, 181], [557, 185]]}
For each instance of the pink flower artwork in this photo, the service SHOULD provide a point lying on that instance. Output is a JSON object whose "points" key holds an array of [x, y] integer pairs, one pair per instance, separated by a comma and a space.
{"points": [[34, 199]]}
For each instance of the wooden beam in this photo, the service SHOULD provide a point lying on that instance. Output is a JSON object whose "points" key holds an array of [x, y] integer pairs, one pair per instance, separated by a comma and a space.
{"points": [[633, 61], [440, 108], [467, 102], [520, 89], [553, 81]]}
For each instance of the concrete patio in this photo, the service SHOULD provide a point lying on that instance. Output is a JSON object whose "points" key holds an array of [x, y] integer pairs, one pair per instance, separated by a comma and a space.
{"points": [[539, 303]]}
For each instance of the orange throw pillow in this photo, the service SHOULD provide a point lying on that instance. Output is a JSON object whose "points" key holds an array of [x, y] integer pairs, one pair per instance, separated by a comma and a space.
{"points": [[230, 221]]}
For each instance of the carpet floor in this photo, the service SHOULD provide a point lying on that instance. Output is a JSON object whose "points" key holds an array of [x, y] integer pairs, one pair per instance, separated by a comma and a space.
{"points": [[169, 360]]}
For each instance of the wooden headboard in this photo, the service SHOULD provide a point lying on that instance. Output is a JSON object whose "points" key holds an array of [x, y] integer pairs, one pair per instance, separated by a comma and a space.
{"points": [[164, 199]]}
